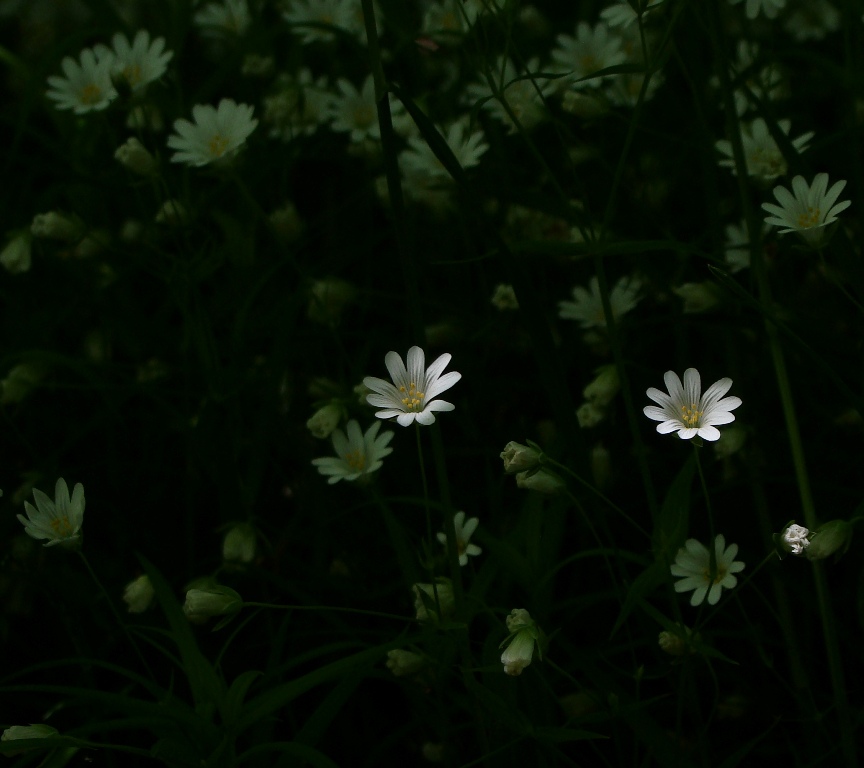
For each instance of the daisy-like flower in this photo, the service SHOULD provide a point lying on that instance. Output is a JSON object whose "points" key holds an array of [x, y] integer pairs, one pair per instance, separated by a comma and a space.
{"points": [[414, 389], [60, 520], [354, 112], [140, 62], [621, 13], [687, 411], [589, 52], [809, 211], [764, 160], [770, 8], [357, 454], [812, 20], [587, 305], [228, 18], [524, 96], [217, 133], [86, 86], [311, 16], [464, 531], [693, 562]]}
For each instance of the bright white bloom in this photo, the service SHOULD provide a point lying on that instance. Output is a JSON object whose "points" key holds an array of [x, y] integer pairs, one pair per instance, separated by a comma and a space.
{"points": [[524, 633], [587, 305], [764, 160], [357, 454], [414, 389], [589, 52], [464, 530], [140, 62], [228, 18], [621, 14], [693, 562], [812, 20], [687, 411], [809, 211], [299, 107], [796, 539], [60, 520], [327, 13], [217, 133], [354, 112], [524, 96], [87, 85], [139, 594], [770, 8]]}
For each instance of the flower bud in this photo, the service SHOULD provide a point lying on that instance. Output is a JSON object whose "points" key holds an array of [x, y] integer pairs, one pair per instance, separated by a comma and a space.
{"points": [[405, 663], [18, 383], [731, 441], [676, 643], [56, 226], [31, 731], [172, 213], [15, 257], [833, 538], [504, 298], [795, 539], [239, 544], [541, 480], [134, 156], [325, 420], [524, 633], [139, 594], [518, 457], [589, 414], [604, 387], [697, 297], [203, 604], [427, 606], [286, 223]]}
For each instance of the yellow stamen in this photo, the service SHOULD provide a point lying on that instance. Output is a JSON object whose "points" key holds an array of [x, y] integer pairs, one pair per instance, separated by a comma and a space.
{"points": [[62, 527], [90, 94], [414, 399], [690, 416], [356, 460], [218, 145], [809, 219], [132, 73]]}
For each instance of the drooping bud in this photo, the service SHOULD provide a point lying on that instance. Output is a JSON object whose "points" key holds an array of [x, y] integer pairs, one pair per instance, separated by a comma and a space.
{"points": [[518, 457], [139, 594], [832, 538], [542, 480]]}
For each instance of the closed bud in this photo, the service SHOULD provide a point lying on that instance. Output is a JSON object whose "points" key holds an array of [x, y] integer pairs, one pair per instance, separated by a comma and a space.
{"points": [[833, 538], [239, 544], [325, 420], [17, 732], [795, 539], [524, 634], [203, 604], [15, 257], [541, 480], [590, 414], [518, 457], [604, 387], [429, 598], [134, 156], [139, 594], [731, 441], [676, 643], [328, 299], [697, 297], [57, 226], [405, 663]]}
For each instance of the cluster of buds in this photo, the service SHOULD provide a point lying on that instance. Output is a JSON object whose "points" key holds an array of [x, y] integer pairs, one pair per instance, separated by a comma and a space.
{"points": [[526, 462]]}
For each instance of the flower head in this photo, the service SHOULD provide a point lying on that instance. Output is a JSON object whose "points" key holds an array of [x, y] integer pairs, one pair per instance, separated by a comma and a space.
{"points": [[589, 52], [687, 411], [414, 389], [693, 562], [587, 305], [762, 156], [141, 61], [86, 86], [230, 17], [809, 210], [795, 539], [524, 633], [357, 454], [60, 520], [464, 531], [217, 133]]}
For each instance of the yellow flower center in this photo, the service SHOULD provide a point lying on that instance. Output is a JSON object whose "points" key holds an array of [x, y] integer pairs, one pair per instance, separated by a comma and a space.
{"points": [[90, 94], [62, 527], [809, 219], [356, 460], [132, 73], [689, 415], [721, 574], [589, 63], [364, 116], [218, 145], [413, 400]]}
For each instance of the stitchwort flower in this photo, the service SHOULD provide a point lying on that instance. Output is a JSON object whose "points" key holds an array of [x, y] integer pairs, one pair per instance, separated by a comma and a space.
{"points": [[693, 562], [60, 520], [587, 305], [414, 389], [137, 63], [464, 531], [87, 85], [687, 411], [217, 133], [809, 210], [357, 454]]}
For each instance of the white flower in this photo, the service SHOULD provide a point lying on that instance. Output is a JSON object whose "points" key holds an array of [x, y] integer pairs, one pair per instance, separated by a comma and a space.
{"points": [[414, 389], [354, 112], [737, 254], [464, 531], [587, 306], [687, 411], [621, 14], [589, 52], [693, 562], [357, 454], [230, 17], [812, 20], [329, 13], [768, 7], [139, 594], [810, 210], [60, 520], [140, 62], [15, 257], [217, 133], [420, 161], [524, 96], [87, 85], [763, 158], [796, 539], [524, 633]]}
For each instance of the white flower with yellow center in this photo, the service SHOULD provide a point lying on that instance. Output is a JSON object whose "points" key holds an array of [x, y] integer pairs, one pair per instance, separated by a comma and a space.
{"points": [[693, 562], [141, 61], [87, 85], [60, 520], [809, 210], [414, 389], [354, 112], [762, 156], [356, 454], [216, 134], [228, 18], [522, 93], [464, 531], [589, 52], [687, 411], [587, 305]]}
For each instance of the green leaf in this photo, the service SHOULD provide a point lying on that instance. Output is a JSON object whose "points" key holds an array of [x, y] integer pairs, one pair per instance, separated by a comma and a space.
{"points": [[233, 705], [671, 526]]}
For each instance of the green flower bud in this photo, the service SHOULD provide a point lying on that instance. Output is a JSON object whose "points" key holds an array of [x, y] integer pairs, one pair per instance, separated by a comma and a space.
{"points": [[518, 457], [203, 604], [541, 480], [833, 538]]}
